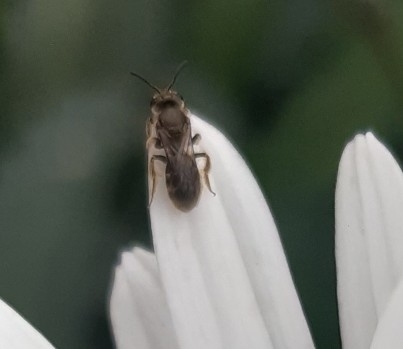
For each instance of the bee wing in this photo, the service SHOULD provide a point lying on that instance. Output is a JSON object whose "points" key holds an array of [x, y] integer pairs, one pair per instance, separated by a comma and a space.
{"points": [[179, 147], [186, 144]]}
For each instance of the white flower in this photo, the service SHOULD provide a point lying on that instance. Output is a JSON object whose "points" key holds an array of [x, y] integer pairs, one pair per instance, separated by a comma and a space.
{"points": [[219, 277], [16, 333], [369, 246]]}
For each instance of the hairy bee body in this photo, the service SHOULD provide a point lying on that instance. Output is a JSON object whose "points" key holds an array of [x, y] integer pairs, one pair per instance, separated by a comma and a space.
{"points": [[169, 129]]}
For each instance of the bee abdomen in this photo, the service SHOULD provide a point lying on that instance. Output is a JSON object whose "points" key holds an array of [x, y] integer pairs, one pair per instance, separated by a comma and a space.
{"points": [[183, 185]]}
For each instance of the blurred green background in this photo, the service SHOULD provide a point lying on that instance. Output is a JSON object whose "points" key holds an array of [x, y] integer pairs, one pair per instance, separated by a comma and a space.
{"points": [[290, 82]]}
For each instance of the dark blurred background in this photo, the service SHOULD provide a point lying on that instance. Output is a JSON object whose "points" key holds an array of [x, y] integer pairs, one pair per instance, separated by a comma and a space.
{"points": [[290, 82]]}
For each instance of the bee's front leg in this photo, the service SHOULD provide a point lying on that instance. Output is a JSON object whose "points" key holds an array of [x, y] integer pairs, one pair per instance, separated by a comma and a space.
{"points": [[205, 170], [154, 175], [154, 141]]}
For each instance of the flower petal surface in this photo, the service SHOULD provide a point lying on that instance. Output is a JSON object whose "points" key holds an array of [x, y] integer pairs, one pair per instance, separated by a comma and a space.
{"points": [[369, 239], [222, 264], [17, 333], [138, 310], [389, 332]]}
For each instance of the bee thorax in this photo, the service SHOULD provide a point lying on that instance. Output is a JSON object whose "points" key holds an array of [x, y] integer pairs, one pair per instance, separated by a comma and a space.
{"points": [[172, 119]]}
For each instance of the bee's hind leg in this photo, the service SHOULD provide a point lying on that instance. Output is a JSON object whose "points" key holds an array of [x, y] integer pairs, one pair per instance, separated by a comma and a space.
{"points": [[206, 169], [154, 175], [196, 139]]}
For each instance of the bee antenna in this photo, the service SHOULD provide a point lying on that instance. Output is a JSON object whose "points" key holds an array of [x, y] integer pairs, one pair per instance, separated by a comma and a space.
{"points": [[146, 81], [178, 70]]}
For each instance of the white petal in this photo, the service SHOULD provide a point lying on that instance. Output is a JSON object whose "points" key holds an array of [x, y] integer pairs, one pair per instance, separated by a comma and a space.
{"points": [[16, 333], [369, 239], [222, 264], [389, 334], [138, 310]]}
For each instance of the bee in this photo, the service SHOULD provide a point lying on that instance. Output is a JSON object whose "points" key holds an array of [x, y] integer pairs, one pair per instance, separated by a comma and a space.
{"points": [[169, 129]]}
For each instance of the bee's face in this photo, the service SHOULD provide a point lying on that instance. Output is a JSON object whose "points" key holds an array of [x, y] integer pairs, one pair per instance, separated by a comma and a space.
{"points": [[166, 98]]}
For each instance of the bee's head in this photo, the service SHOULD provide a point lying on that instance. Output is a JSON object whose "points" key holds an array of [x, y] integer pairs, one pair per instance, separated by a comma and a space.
{"points": [[164, 98]]}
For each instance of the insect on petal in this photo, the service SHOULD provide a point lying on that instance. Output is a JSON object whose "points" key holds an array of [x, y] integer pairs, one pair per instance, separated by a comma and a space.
{"points": [[138, 310], [222, 265], [369, 239], [17, 333]]}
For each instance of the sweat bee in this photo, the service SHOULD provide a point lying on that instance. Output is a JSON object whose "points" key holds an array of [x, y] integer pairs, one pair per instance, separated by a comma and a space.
{"points": [[169, 129]]}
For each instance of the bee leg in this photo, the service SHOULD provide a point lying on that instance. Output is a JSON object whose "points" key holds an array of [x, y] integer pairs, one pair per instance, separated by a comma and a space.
{"points": [[154, 175], [154, 141], [196, 139], [206, 170]]}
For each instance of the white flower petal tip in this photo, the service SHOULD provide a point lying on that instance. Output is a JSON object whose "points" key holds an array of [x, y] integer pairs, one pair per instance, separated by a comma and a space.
{"points": [[17, 333], [222, 265], [138, 311], [389, 334], [369, 239]]}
